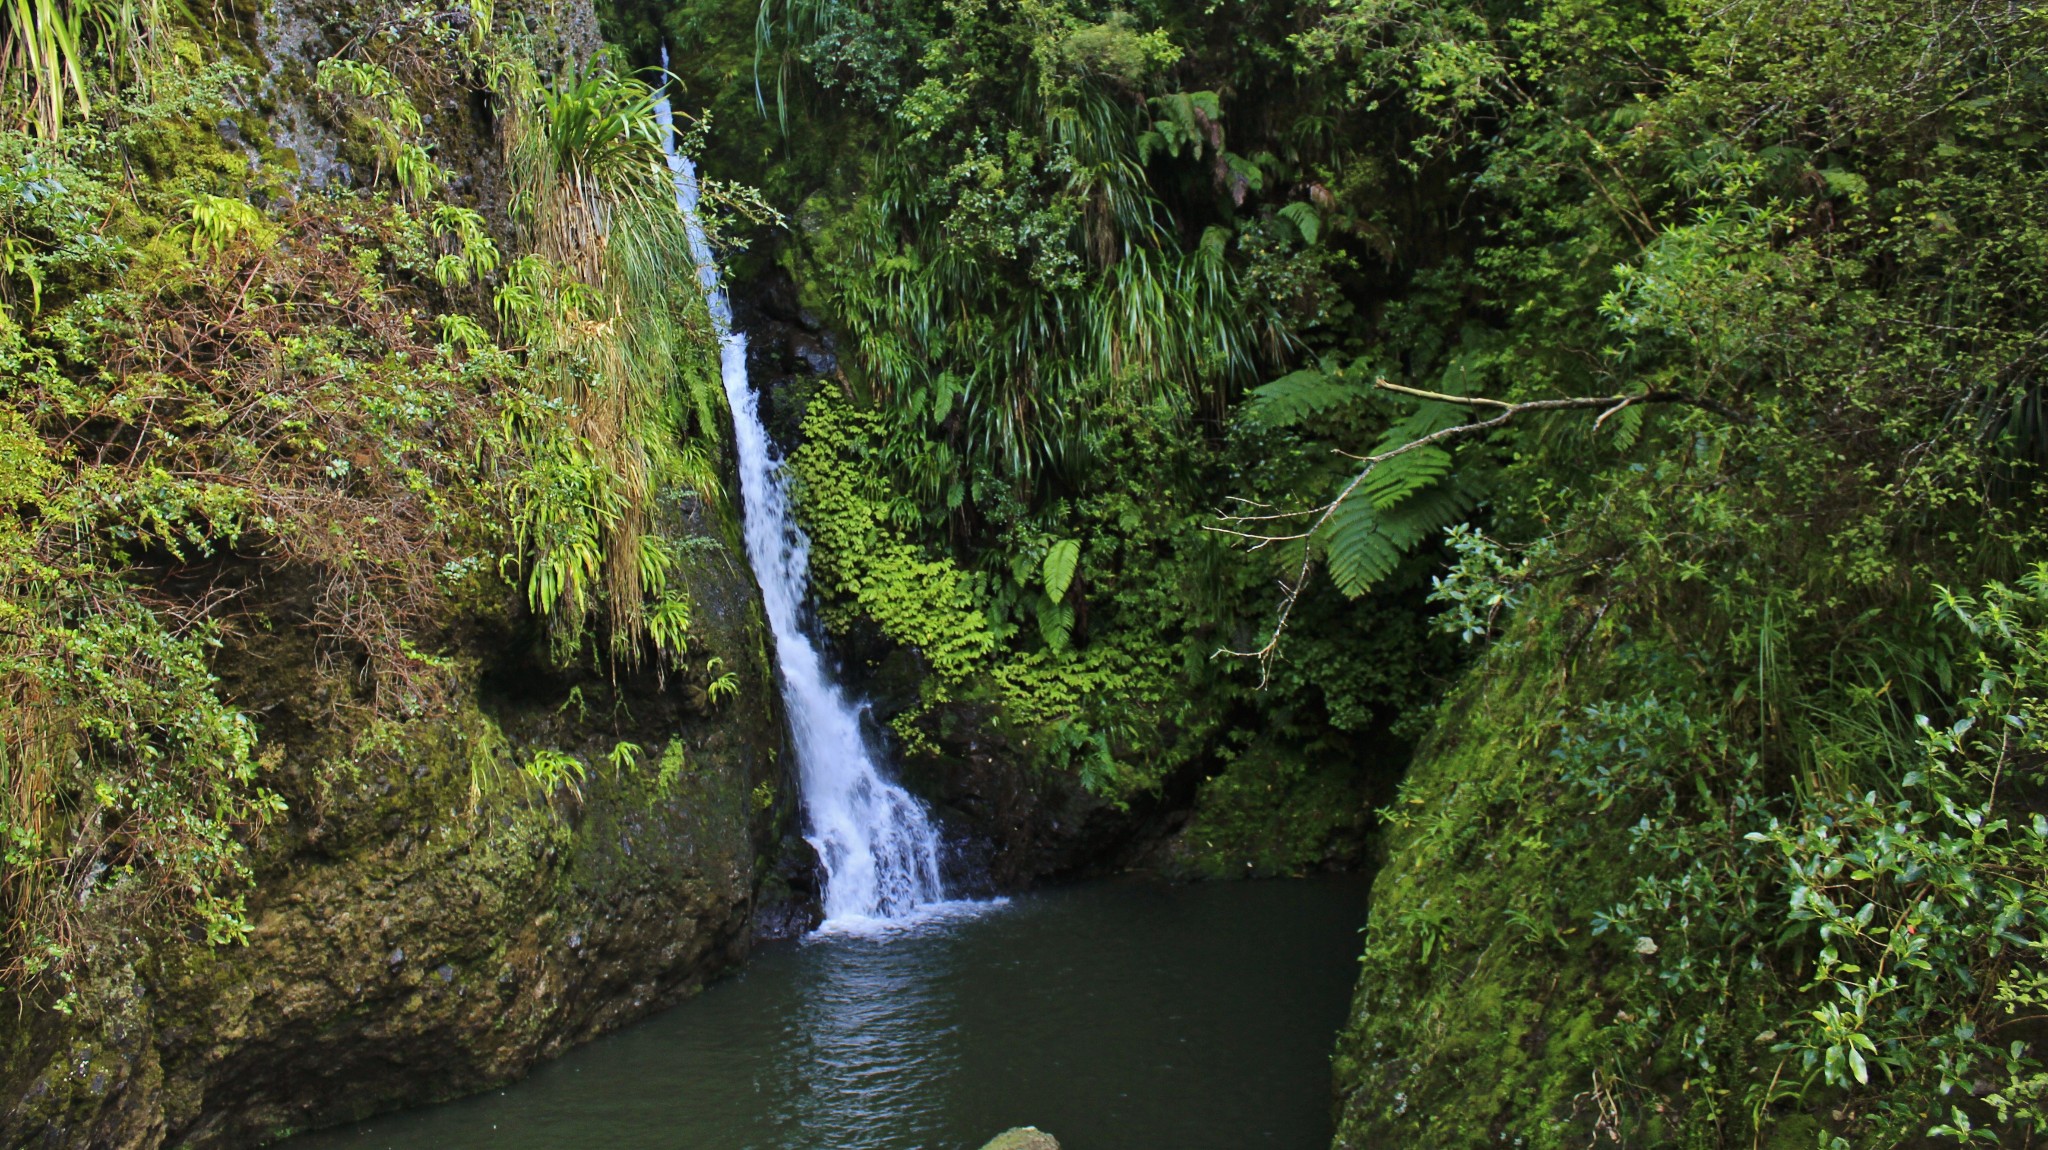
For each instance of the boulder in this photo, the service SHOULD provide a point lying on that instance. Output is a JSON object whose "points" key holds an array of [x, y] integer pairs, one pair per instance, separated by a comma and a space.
{"points": [[1023, 1138]]}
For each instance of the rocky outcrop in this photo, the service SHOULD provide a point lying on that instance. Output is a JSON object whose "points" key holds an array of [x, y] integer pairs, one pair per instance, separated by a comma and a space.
{"points": [[430, 917], [430, 922]]}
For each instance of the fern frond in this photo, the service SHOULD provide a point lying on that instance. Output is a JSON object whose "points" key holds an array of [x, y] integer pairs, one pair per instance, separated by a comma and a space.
{"points": [[1426, 514], [1306, 394], [1395, 509], [1356, 549], [1404, 475], [1429, 417], [1306, 221]]}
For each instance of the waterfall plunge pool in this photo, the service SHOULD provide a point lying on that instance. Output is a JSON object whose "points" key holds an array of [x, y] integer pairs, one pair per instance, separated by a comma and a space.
{"points": [[1122, 1015]]}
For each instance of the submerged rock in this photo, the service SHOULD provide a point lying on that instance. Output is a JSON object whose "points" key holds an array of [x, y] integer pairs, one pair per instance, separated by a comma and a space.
{"points": [[1023, 1138]]}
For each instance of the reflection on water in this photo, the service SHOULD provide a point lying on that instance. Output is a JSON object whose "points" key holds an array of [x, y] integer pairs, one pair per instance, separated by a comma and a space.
{"points": [[873, 1034], [1121, 1016]]}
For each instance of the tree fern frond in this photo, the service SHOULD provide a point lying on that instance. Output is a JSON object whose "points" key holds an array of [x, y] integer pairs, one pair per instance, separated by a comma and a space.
{"points": [[1303, 395], [1397, 507], [1429, 417], [1356, 548], [1425, 514], [1404, 475]]}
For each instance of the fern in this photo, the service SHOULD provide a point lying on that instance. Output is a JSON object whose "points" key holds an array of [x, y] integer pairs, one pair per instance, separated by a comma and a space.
{"points": [[1310, 393], [1356, 548], [1388, 483], [1396, 508], [1056, 624], [1060, 562], [1303, 216]]}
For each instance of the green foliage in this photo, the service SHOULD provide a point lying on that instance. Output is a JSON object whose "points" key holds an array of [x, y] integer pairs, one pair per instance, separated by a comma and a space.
{"points": [[218, 221], [861, 554], [385, 110], [1002, 279], [674, 764], [254, 424], [723, 685], [1270, 813], [476, 253], [1688, 784], [52, 52], [553, 771], [198, 393], [1915, 905], [632, 416], [1035, 233], [1806, 238], [599, 130], [1061, 559]]}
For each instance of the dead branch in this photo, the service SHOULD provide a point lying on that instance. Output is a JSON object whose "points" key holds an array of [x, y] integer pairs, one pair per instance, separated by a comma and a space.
{"points": [[1315, 517]]}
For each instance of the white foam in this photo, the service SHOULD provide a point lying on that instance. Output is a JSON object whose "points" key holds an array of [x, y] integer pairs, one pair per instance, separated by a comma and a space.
{"points": [[928, 916]]}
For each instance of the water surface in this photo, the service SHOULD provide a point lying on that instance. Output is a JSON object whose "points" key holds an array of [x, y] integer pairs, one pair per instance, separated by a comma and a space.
{"points": [[1128, 1015]]}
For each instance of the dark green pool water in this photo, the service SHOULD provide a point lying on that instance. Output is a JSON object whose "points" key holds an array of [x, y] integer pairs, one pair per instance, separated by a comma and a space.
{"points": [[1128, 1015]]}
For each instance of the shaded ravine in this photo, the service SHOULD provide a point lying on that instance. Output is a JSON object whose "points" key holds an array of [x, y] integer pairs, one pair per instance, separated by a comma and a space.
{"points": [[879, 849]]}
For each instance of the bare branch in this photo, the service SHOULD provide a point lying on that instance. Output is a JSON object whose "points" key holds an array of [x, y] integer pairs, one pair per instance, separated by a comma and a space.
{"points": [[1607, 405]]}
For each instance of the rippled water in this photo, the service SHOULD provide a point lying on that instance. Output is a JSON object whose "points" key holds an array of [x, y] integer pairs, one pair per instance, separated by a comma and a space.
{"points": [[1120, 1016]]}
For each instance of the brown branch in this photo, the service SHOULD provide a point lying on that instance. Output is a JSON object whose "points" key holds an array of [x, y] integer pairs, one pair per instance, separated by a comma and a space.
{"points": [[1290, 593]]}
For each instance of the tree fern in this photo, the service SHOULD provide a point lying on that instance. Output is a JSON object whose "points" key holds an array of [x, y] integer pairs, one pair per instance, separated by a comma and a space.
{"points": [[1363, 541], [1393, 481], [1356, 547], [1304, 395]]}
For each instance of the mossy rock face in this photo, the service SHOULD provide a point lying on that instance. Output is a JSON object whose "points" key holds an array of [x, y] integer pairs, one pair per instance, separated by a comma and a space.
{"points": [[1023, 1138], [1488, 1010], [1480, 988], [412, 942], [1272, 813], [427, 922]]}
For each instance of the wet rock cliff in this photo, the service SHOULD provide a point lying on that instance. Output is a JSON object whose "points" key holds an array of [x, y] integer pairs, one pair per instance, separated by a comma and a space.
{"points": [[432, 914]]}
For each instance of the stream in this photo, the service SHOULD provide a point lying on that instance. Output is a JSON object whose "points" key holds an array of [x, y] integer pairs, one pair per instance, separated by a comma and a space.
{"points": [[1122, 1015]]}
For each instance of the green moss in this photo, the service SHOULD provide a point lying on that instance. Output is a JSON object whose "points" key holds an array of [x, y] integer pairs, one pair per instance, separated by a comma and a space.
{"points": [[1273, 812], [1480, 987]]}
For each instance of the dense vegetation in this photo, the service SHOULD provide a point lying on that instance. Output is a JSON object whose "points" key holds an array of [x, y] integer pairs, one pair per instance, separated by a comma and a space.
{"points": [[389, 407], [1713, 334], [1631, 411]]}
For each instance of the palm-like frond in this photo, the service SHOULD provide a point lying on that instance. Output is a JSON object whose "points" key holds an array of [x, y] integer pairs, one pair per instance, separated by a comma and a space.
{"points": [[50, 48]]}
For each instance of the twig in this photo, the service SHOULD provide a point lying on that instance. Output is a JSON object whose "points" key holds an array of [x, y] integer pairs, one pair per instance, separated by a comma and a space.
{"points": [[1290, 593]]}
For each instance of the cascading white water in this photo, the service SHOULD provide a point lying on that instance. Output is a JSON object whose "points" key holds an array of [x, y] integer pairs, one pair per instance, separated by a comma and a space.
{"points": [[880, 851]]}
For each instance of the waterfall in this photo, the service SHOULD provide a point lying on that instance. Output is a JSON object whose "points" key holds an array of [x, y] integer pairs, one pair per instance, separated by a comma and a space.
{"points": [[879, 849]]}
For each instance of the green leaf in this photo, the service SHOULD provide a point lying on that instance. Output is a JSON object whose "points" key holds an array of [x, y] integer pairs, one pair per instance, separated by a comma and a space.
{"points": [[1058, 570], [1402, 476], [1301, 396], [1055, 624], [1302, 215], [1355, 548]]}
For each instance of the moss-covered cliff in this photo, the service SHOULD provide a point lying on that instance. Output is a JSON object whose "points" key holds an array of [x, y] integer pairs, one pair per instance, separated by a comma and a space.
{"points": [[387, 703], [410, 941]]}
